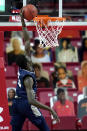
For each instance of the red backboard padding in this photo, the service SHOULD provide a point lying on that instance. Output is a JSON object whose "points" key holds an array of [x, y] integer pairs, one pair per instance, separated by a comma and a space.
{"points": [[33, 28], [70, 34], [4, 111]]}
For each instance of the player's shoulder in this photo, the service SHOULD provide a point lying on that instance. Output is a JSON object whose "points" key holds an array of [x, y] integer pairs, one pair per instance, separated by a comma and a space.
{"points": [[26, 71], [22, 71], [26, 74]]}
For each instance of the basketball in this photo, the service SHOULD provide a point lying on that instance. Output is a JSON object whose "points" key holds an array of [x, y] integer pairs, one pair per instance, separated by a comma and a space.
{"points": [[30, 11]]}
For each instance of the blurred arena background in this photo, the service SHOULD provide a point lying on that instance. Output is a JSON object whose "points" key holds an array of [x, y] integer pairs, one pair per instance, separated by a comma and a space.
{"points": [[74, 59]]}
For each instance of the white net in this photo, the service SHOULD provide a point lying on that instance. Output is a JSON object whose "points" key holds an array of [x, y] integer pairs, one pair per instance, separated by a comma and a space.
{"points": [[48, 33]]}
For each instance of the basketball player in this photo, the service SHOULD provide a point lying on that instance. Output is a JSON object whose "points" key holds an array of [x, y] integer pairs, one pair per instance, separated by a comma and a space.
{"points": [[25, 104]]}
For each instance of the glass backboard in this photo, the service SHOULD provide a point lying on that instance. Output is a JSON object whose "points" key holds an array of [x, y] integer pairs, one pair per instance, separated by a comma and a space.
{"points": [[73, 10], [2, 5]]}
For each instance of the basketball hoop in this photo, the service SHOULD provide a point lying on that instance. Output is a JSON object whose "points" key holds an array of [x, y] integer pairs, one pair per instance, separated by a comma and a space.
{"points": [[48, 29]]}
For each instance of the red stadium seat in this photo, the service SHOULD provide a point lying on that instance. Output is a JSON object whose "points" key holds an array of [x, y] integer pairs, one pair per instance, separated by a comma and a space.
{"points": [[40, 84], [66, 123], [45, 113], [25, 126], [11, 83], [75, 107], [73, 93], [74, 67], [49, 122], [34, 128], [49, 67], [44, 94], [76, 42], [10, 72], [84, 123], [75, 81]]}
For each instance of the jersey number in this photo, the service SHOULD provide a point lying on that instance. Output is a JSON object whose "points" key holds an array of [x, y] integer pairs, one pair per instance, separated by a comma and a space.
{"points": [[19, 82]]}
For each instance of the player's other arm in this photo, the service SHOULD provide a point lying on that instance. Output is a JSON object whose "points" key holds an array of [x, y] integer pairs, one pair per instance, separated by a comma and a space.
{"points": [[28, 82]]}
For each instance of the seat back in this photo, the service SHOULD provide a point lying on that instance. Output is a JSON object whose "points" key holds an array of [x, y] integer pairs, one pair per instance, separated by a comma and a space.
{"points": [[66, 123], [10, 72], [44, 94], [84, 123], [32, 127]]}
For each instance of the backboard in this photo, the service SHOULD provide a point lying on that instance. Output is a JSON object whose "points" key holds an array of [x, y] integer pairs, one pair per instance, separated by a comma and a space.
{"points": [[74, 10]]}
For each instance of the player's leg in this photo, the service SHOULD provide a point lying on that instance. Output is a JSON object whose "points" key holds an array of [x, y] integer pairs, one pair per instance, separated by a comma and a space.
{"points": [[35, 116], [17, 122], [17, 118], [43, 125]]}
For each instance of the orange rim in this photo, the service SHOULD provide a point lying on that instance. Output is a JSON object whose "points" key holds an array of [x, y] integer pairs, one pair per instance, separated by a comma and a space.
{"points": [[46, 18]]}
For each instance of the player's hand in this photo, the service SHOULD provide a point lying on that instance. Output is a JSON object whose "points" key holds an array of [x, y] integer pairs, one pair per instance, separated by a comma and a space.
{"points": [[21, 13], [55, 116]]}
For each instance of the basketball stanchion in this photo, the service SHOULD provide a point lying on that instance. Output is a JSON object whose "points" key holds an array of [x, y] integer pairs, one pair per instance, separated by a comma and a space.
{"points": [[4, 110]]}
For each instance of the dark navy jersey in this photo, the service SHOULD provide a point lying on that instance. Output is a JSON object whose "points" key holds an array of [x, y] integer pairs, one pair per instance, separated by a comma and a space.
{"points": [[21, 90]]}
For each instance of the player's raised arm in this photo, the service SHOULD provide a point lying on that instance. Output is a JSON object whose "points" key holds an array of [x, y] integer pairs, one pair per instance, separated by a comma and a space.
{"points": [[24, 28], [28, 82], [25, 34]]}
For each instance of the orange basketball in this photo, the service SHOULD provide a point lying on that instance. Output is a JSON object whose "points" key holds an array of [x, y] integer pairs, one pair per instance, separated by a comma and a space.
{"points": [[30, 11]]}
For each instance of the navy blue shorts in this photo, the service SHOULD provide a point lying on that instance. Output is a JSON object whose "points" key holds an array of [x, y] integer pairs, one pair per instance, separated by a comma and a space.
{"points": [[21, 110]]}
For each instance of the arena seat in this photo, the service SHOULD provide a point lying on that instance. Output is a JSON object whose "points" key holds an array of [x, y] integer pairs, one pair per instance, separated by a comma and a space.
{"points": [[25, 126], [11, 83], [45, 113], [84, 123], [76, 42], [75, 81], [40, 85], [73, 93], [66, 4], [75, 107], [75, 4], [66, 123], [10, 72], [32, 127], [74, 67], [49, 67], [53, 54], [44, 94]]}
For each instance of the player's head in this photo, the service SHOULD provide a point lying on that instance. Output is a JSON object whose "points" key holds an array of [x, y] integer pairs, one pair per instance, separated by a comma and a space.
{"points": [[61, 95], [21, 61], [61, 72]]}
